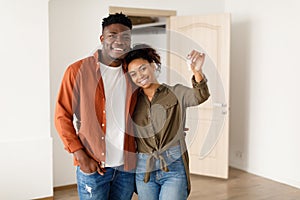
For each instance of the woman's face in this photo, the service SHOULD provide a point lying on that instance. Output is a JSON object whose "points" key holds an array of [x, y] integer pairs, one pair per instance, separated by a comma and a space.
{"points": [[142, 72]]}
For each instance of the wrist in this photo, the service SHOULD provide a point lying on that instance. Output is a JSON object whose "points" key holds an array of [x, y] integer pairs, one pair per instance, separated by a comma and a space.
{"points": [[80, 154], [198, 76]]}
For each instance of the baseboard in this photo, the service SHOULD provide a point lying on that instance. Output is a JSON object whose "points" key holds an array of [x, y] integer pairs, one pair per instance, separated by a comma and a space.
{"points": [[65, 187], [46, 198], [59, 188], [272, 177]]}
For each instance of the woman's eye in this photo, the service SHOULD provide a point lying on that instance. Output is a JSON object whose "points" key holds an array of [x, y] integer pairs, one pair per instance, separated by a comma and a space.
{"points": [[132, 75]]}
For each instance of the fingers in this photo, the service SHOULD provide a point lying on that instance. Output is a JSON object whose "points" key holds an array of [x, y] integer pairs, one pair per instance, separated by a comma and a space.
{"points": [[196, 60], [194, 55], [101, 170], [92, 167]]}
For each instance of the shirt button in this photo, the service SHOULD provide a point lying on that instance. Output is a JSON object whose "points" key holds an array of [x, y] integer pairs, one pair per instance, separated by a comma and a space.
{"points": [[102, 154], [102, 138], [102, 125], [103, 111]]}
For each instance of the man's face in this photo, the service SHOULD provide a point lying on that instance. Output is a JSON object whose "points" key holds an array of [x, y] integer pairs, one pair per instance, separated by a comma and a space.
{"points": [[116, 41]]}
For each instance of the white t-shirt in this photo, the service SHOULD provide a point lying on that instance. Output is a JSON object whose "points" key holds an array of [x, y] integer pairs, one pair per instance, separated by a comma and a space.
{"points": [[115, 94]]}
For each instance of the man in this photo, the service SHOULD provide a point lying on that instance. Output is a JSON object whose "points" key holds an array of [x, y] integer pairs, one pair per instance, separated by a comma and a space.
{"points": [[95, 91]]}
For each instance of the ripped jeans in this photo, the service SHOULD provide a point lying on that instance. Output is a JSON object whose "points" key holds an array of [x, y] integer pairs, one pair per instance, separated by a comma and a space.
{"points": [[115, 184]]}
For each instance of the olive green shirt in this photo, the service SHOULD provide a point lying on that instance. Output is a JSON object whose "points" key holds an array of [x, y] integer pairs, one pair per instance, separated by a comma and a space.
{"points": [[160, 123]]}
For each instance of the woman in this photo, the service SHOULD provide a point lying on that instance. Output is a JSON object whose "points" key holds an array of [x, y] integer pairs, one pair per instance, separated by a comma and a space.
{"points": [[159, 117]]}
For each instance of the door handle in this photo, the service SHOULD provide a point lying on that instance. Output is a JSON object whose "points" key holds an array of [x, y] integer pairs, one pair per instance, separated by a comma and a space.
{"points": [[221, 105]]}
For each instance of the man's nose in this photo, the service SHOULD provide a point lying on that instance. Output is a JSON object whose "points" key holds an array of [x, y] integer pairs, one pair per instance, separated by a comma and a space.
{"points": [[119, 39]]}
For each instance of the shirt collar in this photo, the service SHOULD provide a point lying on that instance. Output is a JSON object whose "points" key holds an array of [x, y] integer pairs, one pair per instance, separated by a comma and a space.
{"points": [[161, 88], [96, 56]]}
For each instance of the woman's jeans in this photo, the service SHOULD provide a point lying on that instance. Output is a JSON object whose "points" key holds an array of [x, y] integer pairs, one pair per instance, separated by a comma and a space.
{"points": [[115, 184], [162, 185]]}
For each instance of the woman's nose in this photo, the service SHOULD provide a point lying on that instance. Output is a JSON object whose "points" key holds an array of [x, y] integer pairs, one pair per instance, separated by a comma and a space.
{"points": [[139, 75]]}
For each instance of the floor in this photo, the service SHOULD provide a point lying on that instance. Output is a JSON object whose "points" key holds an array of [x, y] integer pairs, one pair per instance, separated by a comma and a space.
{"points": [[239, 186]]}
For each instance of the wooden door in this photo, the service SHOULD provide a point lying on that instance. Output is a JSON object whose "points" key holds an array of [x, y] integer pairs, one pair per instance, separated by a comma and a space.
{"points": [[208, 123]]}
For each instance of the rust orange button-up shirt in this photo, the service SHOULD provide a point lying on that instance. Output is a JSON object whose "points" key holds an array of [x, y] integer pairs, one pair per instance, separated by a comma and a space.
{"points": [[82, 94]]}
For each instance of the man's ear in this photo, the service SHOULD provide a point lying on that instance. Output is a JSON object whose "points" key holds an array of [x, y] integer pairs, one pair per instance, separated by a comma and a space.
{"points": [[101, 38]]}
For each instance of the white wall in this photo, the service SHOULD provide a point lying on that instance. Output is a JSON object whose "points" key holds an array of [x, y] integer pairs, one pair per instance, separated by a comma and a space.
{"points": [[25, 140], [75, 26], [264, 88]]}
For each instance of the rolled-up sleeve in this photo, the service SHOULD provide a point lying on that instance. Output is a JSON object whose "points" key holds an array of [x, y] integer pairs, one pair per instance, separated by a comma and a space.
{"points": [[201, 89]]}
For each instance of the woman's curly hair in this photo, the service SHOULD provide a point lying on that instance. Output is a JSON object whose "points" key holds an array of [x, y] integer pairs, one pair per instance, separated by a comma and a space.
{"points": [[143, 51]]}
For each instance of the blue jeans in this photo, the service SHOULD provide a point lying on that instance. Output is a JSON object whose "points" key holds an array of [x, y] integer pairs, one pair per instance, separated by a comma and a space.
{"points": [[162, 185], [115, 184]]}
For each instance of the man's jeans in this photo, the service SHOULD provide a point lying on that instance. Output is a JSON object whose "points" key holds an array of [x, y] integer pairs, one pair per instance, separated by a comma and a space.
{"points": [[115, 184], [162, 185]]}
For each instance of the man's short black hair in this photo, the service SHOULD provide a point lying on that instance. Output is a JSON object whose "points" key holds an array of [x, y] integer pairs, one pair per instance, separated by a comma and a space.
{"points": [[117, 18]]}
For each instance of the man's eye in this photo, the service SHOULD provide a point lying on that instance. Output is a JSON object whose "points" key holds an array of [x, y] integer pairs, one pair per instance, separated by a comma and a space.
{"points": [[127, 38], [111, 36], [143, 68]]}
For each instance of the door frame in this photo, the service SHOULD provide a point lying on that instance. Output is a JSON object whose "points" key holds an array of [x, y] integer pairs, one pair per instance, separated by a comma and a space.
{"points": [[143, 12]]}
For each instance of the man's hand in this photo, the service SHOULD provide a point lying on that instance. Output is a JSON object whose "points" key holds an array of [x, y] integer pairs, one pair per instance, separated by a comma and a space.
{"points": [[88, 164]]}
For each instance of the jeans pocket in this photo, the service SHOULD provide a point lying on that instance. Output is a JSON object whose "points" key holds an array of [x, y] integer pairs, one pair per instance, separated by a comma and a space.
{"points": [[87, 174]]}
